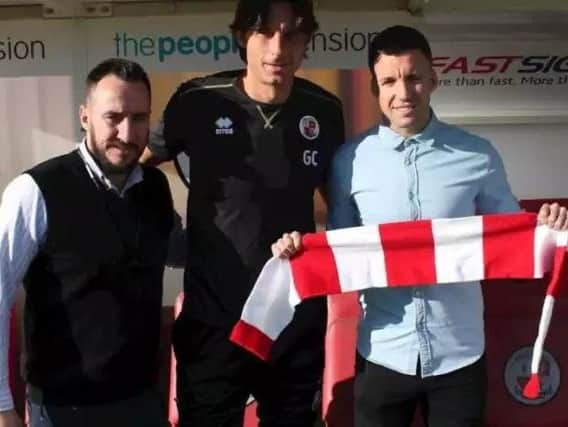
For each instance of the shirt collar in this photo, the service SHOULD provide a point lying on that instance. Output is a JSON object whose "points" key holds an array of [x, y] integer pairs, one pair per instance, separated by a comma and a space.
{"points": [[390, 139], [95, 172]]}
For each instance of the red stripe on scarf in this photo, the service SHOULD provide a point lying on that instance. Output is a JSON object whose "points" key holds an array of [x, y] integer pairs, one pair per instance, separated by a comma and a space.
{"points": [[315, 272], [251, 338], [559, 275], [512, 257], [409, 253]]}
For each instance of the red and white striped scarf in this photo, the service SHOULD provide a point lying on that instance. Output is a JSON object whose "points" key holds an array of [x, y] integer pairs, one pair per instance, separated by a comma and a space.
{"points": [[417, 253]]}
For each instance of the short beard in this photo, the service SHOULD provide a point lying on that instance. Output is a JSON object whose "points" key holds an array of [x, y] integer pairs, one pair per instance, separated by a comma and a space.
{"points": [[107, 167], [110, 169]]}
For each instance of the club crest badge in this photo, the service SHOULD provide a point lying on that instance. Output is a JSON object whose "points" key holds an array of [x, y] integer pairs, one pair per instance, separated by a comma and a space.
{"points": [[517, 373], [309, 127]]}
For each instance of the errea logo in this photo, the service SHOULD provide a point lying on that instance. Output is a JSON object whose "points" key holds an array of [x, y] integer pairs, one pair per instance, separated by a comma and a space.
{"points": [[224, 126]]}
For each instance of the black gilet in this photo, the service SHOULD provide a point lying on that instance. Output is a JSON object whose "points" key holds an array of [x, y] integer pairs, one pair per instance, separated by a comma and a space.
{"points": [[94, 290]]}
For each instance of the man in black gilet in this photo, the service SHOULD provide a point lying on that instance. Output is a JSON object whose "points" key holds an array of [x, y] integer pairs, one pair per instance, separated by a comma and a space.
{"points": [[87, 233], [259, 141]]}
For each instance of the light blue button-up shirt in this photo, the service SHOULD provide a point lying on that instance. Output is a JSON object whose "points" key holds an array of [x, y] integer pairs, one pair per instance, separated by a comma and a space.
{"points": [[443, 172]]}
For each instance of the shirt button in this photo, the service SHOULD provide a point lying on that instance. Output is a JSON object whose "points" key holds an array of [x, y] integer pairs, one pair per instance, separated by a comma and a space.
{"points": [[410, 195], [408, 161]]}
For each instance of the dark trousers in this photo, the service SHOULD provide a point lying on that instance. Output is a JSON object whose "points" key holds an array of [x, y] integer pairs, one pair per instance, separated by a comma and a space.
{"points": [[145, 410], [215, 377], [385, 398]]}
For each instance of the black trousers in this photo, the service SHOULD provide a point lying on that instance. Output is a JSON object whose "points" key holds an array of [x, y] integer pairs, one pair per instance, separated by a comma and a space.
{"points": [[145, 410], [385, 398], [215, 377]]}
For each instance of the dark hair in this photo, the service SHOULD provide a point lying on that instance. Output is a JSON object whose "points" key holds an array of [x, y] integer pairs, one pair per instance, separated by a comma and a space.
{"points": [[394, 41], [251, 15], [126, 70]]}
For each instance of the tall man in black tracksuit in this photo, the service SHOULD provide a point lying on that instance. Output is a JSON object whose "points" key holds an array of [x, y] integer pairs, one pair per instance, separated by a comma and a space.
{"points": [[260, 142], [87, 233]]}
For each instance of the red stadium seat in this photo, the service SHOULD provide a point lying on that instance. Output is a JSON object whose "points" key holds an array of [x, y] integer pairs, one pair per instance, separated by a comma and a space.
{"points": [[337, 393], [173, 416]]}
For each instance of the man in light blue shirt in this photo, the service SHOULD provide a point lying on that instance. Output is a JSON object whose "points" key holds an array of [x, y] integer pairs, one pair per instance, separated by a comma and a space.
{"points": [[418, 345], [421, 345]]}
